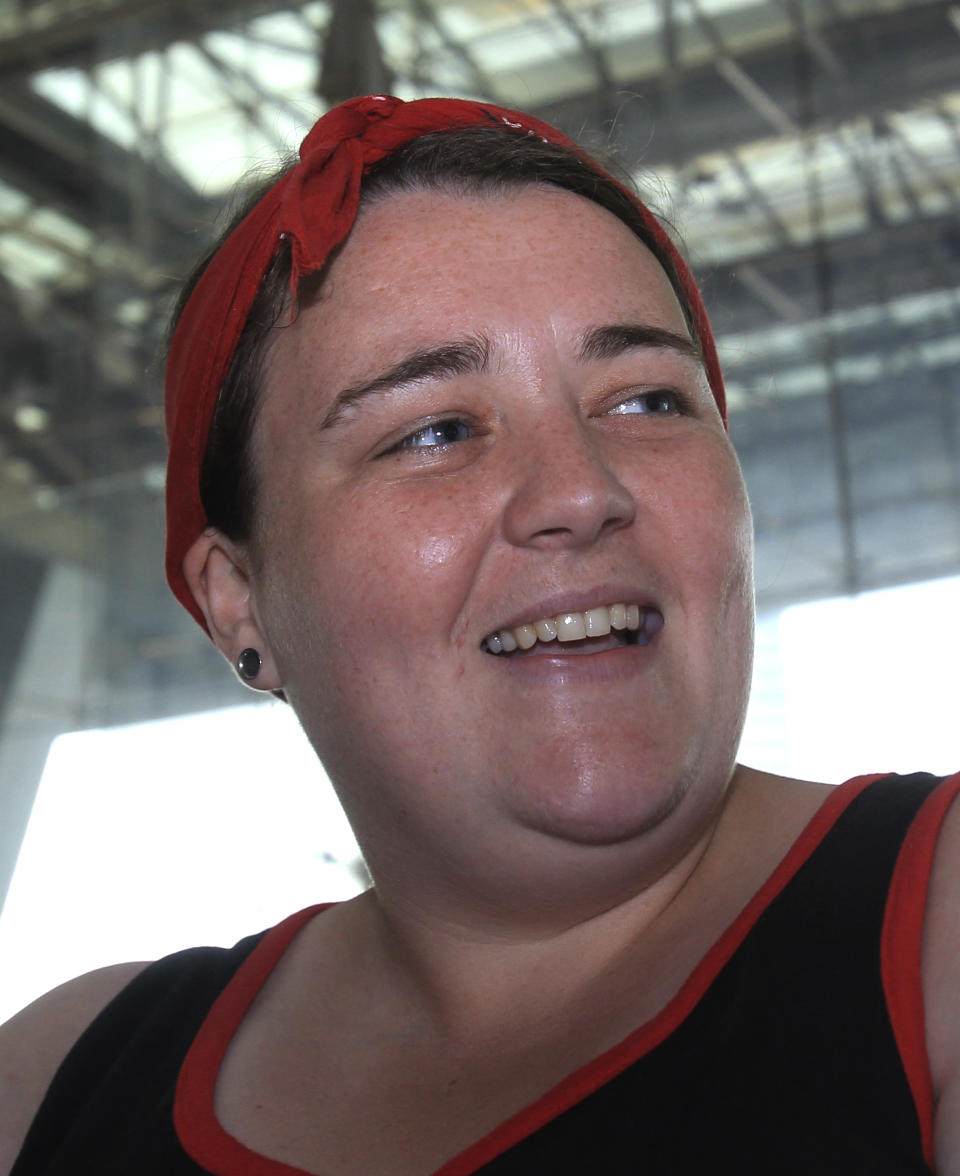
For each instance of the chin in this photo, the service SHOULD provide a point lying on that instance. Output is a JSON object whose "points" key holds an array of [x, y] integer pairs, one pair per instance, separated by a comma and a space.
{"points": [[597, 803]]}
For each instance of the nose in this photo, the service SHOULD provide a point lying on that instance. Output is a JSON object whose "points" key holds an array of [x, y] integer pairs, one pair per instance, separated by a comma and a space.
{"points": [[567, 493]]}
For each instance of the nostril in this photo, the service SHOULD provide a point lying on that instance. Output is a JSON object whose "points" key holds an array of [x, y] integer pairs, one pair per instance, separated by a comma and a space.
{"points": [[559, 522]]}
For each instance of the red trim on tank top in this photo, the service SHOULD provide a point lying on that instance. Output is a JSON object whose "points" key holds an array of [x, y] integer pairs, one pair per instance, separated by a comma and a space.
{"points": [[194, 1116], [206, 1141], [901, 950]]}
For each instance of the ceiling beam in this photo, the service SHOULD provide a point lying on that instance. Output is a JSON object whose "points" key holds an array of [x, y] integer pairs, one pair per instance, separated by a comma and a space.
{"points": [[914, 58], [62, 162], [113, 29]]}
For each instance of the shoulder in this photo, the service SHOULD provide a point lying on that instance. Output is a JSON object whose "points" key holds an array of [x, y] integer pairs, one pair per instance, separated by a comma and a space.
{"points": [[941, 984], [36, 1040]]}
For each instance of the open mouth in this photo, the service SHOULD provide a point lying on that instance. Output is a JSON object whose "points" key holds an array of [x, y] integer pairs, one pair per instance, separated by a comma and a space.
{"points": [[594, 631]]}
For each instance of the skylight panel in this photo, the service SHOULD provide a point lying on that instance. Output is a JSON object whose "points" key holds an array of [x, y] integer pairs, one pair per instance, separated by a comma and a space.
{"points": [[265, 64], [67, 88], [28, 263], [288, 29], [13, 203], [55, 227], [220, 150]]}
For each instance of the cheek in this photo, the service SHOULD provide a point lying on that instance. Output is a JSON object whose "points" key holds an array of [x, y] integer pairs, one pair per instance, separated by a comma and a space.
{"points": [[435, 553], [731, 572], [712, 526], [396, 565], [703, 499], [418, 538]]}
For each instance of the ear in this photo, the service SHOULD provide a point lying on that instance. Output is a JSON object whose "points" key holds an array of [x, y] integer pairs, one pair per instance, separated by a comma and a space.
{"points": [[215, 571]]}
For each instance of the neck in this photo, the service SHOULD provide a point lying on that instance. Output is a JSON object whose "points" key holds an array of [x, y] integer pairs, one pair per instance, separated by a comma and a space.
{"points": [[470, 946]]}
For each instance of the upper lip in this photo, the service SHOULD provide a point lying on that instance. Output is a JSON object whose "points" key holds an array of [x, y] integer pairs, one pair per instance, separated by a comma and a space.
{"points": [[569, 602]]}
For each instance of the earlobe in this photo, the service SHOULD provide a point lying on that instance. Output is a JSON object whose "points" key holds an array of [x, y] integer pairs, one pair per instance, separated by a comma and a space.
{"points": [[215, 570]]}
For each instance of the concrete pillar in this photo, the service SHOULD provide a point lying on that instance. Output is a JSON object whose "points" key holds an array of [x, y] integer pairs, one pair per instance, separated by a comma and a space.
{"points": [[44, 692]]}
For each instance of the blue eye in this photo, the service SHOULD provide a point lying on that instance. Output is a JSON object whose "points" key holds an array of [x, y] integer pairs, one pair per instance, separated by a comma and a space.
{"points": [[437, 434], [660, 402]]}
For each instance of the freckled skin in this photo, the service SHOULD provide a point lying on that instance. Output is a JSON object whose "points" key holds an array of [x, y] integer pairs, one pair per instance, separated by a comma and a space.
{"points": [[378, 573]]}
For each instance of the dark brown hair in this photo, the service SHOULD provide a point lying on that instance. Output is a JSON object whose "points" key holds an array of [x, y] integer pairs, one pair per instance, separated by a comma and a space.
{"points": [[473, 159]]}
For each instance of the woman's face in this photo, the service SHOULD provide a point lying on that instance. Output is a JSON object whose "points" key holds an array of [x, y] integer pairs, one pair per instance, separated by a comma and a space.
{"points": [[473, 429]]}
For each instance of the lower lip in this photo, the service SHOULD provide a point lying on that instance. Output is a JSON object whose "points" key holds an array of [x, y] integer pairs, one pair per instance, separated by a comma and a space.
{"points": [[556, 668]]}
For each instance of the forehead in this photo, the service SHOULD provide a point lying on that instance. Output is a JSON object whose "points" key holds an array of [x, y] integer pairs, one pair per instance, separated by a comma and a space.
{"points": [[424, 266]]}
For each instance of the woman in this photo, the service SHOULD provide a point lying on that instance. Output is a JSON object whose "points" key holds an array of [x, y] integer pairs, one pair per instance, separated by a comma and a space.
{"points": [[469, 503]]}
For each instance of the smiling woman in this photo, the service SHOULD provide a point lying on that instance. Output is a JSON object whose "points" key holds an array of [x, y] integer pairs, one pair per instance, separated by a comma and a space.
{"points": [[532, 514], [449, 468]]}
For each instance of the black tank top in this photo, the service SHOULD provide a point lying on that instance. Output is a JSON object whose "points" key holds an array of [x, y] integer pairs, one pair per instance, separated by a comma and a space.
{"points": [[795, 1047]]}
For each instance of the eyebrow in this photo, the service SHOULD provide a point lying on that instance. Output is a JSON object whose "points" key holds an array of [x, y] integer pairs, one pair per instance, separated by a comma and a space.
{"points": [[609, 342], [458, 358], [465, 356]]}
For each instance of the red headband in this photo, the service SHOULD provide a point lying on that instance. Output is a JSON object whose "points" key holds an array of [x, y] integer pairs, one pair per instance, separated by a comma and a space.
{"points": [[314, 206]]}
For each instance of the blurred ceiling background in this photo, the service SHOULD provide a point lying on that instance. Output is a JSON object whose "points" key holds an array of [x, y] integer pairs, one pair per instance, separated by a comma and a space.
{"points": [[808, 152]]}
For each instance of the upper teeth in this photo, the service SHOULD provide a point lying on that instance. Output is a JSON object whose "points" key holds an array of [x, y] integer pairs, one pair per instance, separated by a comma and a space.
{"points": [[568, 626]]}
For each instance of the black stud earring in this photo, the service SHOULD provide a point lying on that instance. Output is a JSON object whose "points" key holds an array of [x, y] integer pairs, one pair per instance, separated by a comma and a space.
{"points": [[248, 665]]}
